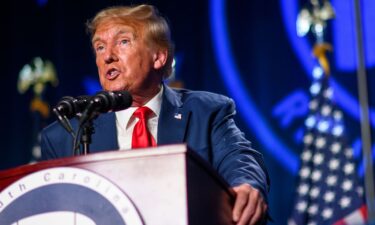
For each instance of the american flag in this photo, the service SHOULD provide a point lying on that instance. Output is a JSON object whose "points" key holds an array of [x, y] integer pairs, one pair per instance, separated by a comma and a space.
{"points": [[328, 191]]}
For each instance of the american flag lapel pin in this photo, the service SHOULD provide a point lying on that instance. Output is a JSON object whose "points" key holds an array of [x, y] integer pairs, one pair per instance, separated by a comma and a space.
{"points": [[178, 116]]}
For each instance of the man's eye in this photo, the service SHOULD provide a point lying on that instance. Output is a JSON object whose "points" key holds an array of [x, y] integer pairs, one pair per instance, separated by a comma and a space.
{"points": [[99, 48], [124, 42]]}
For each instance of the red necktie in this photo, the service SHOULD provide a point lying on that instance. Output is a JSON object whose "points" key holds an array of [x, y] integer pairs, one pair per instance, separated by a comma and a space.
{"points": [[142, 137]]}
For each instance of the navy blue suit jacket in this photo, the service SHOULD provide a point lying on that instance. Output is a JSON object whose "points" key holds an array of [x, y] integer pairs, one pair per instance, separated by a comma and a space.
{"points": [[203, 120]]}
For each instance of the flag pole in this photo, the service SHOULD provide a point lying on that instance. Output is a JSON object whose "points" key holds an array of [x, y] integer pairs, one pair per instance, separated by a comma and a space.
{"points": [[364, 112]]}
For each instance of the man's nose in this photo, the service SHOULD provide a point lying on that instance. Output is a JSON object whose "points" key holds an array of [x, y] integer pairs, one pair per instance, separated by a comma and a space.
{"points": [[110, 56]]}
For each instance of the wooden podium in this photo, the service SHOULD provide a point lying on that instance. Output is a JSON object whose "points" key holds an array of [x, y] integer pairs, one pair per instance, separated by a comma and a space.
{"points": [[168, 185]]}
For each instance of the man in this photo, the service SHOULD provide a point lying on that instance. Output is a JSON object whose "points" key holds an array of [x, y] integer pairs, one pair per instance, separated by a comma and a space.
{"points": [[134, 52]]}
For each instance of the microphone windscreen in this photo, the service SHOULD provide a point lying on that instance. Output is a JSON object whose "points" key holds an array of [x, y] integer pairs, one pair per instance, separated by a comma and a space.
{"points": [[105, 101], [123, 100]]}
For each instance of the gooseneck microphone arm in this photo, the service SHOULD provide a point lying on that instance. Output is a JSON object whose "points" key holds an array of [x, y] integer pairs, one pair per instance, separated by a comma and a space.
{"points": [[64, 122], [69, 107]]}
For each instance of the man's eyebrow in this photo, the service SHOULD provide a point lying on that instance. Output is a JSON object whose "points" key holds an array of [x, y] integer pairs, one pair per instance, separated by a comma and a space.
{"points": [[124, 31], [120, 32], [95, 39]]}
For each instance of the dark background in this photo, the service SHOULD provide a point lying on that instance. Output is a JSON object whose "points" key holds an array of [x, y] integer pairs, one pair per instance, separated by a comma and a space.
{"points": [[55, 30]]}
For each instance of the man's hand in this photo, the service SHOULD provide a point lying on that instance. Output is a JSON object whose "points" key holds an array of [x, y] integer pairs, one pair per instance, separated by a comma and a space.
{"points": [[249, 207]]}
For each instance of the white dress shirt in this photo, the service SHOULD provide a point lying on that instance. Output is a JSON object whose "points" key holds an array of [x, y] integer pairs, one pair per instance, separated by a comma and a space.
{"points": [[125, 121]]}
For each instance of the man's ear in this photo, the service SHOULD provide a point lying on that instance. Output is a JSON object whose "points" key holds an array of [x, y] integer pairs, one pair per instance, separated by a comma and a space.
{"points": [[160, 58]]}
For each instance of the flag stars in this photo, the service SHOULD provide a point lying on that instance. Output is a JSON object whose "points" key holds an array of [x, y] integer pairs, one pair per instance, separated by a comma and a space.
{"points": [[305, 172], [303, 189], [320, 142], [344, 202], [337, 115], [360, 191], [308, 139], [301, 206], [323, 126], [347, 185], [313, 209], [349, 168], [335, 147], [349, 153], [313, 105], [310, 121], [306, 155], [317, 72], [314, 193], [337, 130], [315, 88], [329, 196], [316, 175], [327, 213], [328, 93], [318, 159], [326, 110], [327, 175], [334, 164], [331, 180]]}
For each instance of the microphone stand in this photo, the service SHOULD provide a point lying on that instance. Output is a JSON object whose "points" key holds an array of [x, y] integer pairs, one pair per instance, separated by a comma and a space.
{"points": [[102, 102], [87, 131]]}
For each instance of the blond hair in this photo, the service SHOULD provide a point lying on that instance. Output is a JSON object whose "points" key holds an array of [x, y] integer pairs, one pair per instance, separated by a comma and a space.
{"points": [[146, 21]]}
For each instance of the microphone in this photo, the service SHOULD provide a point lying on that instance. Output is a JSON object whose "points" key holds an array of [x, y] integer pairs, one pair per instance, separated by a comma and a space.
{"points": [[67, 108], [105, 101], [70, 107]]}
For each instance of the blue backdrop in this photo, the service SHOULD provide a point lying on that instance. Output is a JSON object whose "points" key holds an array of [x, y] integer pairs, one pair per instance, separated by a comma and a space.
{"points": [[247, 50]]}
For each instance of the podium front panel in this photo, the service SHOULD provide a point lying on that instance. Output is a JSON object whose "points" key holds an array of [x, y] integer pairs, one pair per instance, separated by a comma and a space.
{"points": [[168, 185]]}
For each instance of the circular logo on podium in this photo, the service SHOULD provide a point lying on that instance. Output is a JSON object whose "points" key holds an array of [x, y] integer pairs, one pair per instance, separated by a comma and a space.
{"points": [[68, 196]]}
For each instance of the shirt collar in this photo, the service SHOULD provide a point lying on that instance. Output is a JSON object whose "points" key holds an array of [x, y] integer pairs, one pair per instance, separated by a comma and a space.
{"points": [[154, 104]]}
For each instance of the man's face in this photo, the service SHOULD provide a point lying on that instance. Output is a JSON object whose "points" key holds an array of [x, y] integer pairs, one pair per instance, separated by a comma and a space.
{"points": [[124, 60]]}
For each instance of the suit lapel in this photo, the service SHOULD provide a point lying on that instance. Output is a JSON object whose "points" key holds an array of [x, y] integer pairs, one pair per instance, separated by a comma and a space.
{"points": [[173, 118], [172, 124], [105, 136]]}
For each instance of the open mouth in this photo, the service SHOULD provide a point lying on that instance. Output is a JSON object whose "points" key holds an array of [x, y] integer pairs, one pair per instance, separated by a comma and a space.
{"points": [[112, 73]]}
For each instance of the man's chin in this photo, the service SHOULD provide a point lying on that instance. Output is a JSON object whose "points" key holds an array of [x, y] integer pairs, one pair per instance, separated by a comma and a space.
{"points": [[114, 88]]}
